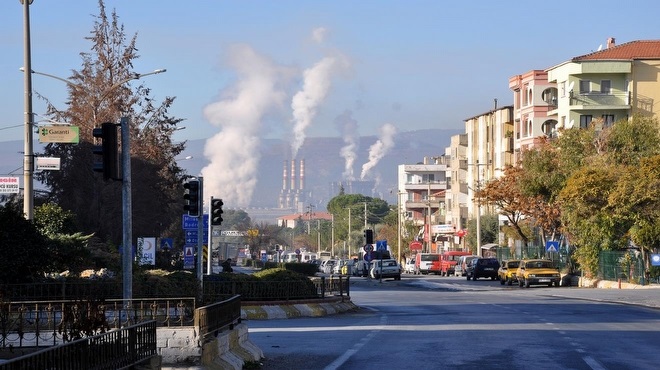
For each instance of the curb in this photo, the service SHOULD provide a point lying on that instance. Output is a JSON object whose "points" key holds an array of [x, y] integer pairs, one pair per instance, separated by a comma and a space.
{"points": [[267, 310]]}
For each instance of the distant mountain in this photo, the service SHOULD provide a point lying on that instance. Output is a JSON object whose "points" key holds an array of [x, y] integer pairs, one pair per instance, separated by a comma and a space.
{"points": [[323, 163]]}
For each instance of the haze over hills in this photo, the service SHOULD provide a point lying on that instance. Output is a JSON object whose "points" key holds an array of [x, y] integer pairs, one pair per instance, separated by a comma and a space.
{"points": [[323, 163]]}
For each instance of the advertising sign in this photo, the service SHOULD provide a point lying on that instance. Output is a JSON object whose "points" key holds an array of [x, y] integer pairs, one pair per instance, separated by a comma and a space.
{"points": [[9, 185], [48, 163], [59, 134], [147, 251]]}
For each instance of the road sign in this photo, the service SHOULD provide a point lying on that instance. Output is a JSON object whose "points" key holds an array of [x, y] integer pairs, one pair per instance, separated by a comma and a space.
{"points": [[368, 248], [195, 233], [233, 233], [381, 245], [369, 255], [655, 260], [9, 185], [188, 257], [191, 223], [552, 246], [59, 134], [166, 243]]}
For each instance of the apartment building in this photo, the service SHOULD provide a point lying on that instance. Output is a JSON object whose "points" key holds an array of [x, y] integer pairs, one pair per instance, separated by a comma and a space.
{"points": [[422, 189], [610, 84]]}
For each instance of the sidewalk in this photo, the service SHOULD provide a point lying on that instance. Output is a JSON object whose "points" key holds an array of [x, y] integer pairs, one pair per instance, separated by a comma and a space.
{"points": [[614, 292]]}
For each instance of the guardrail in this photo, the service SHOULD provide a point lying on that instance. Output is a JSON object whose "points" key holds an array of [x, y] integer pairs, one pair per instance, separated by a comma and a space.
{"points": [[117, 349], [212, 319]]}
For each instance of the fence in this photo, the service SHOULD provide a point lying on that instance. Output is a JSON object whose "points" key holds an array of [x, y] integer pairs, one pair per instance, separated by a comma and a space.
{"points": [[47, 323], [621, 265], [276, 290], [116, 349]]}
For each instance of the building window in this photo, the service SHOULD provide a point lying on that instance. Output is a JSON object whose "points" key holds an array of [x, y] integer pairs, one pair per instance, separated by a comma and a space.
{"points": [[608, 120], [585, 86], [585, 120], [427, 178], [562, 88], [605, 86]]}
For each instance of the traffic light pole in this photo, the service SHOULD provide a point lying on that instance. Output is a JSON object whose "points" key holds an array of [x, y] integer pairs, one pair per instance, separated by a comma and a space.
{"points": [[210, 239], [127, 223], [200, 234]]}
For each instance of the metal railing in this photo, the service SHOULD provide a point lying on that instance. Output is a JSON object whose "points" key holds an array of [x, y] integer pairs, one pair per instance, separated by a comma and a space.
{"points": [[117, 349], [316, 288], [212, 319], [46, 323]]}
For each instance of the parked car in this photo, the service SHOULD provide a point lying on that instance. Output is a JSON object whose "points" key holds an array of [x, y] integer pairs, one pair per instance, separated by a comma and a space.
{"points": [[327, 266], [483, 268], [360, 268], [390, 269], [537, 272], [507, 272], [410, 266], [461, 265]]}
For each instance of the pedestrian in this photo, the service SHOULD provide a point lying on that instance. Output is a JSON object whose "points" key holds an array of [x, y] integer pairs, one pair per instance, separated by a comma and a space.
{"points": [[226, 266]]}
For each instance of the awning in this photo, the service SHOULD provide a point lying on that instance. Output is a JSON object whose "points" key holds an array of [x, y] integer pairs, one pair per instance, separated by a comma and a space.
{"points": [[489, 246]]}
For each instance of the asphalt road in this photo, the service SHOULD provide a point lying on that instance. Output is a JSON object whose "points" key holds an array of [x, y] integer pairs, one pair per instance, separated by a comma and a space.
{"points": [[429, 322]]}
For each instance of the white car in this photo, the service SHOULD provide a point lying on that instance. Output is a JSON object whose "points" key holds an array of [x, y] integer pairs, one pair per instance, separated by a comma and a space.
{"points": [[410, 267], [390, 269]]}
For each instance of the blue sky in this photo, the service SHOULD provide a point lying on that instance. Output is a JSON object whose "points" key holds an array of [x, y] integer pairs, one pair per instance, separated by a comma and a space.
{"points": [[412, 64]]}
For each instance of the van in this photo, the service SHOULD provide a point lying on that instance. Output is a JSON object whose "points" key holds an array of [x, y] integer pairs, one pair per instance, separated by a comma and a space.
{"points": [[426, 263], [449, 260], [461, 264]]}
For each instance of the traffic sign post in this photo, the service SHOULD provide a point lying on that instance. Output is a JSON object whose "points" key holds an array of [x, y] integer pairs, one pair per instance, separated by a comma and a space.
{"points": [[552, 246]]}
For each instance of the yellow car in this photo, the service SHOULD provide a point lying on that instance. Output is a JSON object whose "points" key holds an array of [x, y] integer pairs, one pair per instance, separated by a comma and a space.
{"points": [[537, 272], [507, 272]]}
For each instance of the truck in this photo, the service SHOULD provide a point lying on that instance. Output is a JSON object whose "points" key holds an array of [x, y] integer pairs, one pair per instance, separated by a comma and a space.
{"points": [[448, 261]]}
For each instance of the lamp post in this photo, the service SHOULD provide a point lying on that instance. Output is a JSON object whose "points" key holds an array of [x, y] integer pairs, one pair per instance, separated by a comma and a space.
{"points": [[28, 157]]}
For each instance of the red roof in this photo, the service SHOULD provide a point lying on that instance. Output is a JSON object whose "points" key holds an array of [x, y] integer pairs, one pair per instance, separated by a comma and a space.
{"points": [[641, 49]]}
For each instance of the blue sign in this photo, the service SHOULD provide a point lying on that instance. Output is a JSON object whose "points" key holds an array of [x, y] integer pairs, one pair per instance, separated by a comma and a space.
{"points": [[368, 256], [188, 257], [191, 223], [381, 245], [655, 260], [552, 246], [195, 234], [166, 243]]}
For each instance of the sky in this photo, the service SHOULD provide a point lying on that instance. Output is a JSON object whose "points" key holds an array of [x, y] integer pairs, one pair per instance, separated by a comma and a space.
{"points": [[296, 69]]}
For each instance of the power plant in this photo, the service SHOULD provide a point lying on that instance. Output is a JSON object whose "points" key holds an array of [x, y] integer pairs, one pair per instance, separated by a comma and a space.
{"points": [[292, 196]]}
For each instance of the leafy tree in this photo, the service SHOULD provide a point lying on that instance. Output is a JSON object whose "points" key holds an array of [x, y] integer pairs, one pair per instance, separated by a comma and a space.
{"points": [[98, 94], [24, 250], [489, 231], [505, 194]]}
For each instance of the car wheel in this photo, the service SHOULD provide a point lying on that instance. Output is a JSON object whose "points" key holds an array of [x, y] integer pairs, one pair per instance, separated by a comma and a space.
{"points": [[474, 277], [527, 283], [520, 283], [398, 277], [557, 284], [502, 281], [468, 277], [492, 278], [509, 281], [550, 284]]}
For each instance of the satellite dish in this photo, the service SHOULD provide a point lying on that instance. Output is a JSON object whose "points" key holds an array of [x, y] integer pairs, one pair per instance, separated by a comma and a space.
{"points": [[600, 47], [570, 85], [571, 123]]}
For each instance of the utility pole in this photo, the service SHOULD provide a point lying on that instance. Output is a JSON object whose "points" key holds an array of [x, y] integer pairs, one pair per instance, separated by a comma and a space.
{"points": [[127, 212], [349, 231]]}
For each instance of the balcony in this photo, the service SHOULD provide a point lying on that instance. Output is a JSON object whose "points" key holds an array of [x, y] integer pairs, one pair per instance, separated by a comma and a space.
{"points": [[590, 101], [435, 185]]}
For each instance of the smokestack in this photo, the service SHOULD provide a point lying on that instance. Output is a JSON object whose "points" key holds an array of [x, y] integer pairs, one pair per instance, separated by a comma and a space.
{"points": [[293, 174], [301, 175], [611, 42], [495, 101], [284, 176]]}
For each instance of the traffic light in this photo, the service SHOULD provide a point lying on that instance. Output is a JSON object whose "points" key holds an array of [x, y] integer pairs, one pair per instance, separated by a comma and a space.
{"points": [[369, 236], [216, 211], [107, 150], [192, 198]]}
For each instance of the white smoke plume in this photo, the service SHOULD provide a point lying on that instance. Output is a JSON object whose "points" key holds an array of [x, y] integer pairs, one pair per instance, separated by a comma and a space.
{"points": [[319, 34], [233, 153], [380, 148], [305, 102], [347, 127]]}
